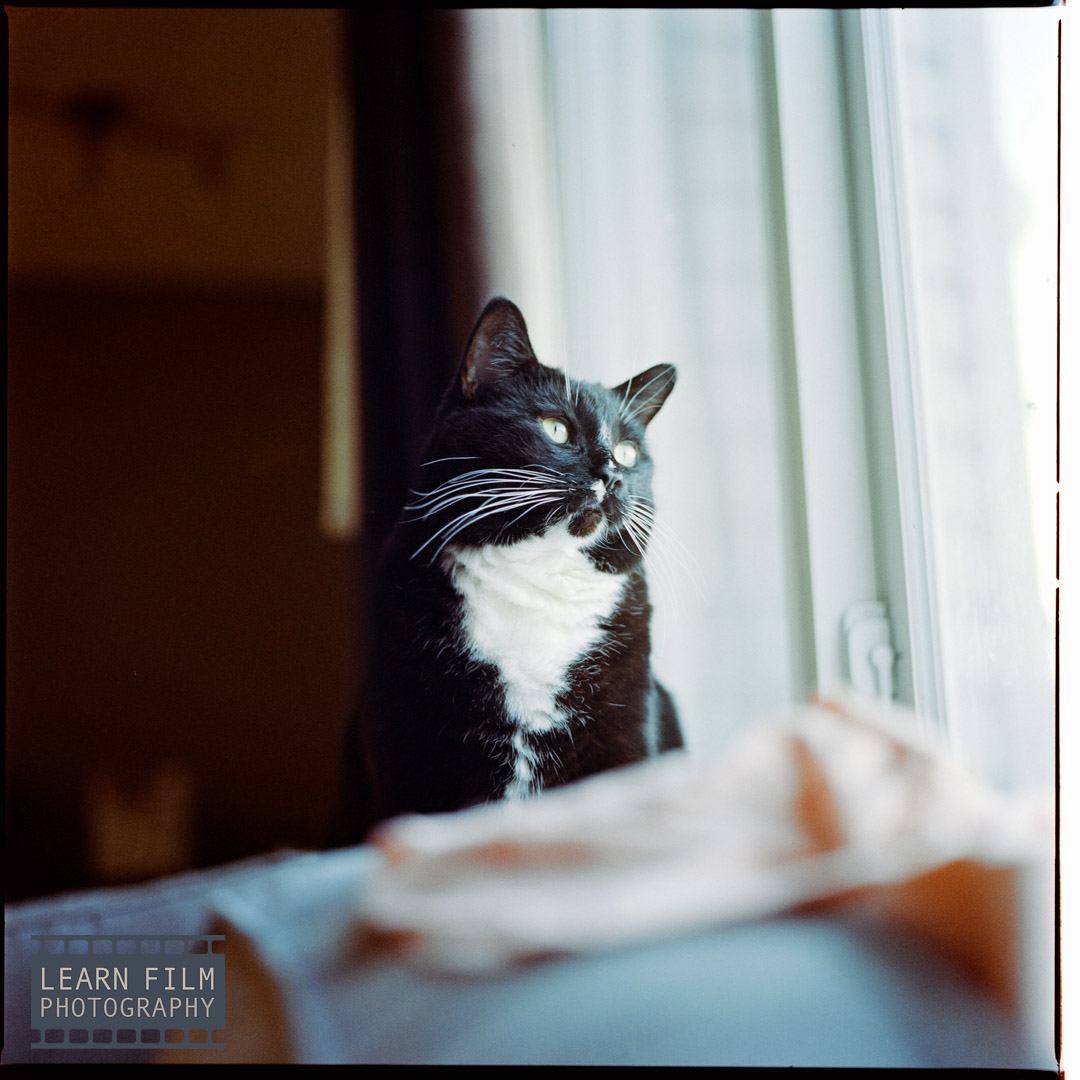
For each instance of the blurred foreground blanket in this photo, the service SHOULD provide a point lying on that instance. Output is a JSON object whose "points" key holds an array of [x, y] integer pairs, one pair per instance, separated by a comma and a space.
{"points": [[832, 892], [841, 806]]}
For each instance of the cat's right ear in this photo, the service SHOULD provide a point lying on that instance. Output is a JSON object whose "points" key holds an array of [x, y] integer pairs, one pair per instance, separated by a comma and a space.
{"points": [[499, 344]]}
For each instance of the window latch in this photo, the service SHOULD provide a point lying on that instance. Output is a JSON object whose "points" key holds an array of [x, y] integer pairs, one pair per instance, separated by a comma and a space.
{"points": [[871, 656]]}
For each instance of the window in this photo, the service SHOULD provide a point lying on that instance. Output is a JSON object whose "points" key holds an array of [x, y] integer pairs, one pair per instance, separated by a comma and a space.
{"points": [[826, 220]]}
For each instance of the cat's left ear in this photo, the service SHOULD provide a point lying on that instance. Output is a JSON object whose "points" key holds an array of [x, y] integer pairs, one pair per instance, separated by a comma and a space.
{"points": [[643, 395], [499, 344]]}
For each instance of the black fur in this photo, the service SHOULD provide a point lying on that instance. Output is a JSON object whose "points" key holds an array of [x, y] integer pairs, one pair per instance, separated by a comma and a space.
{"points": [[432, 732]]}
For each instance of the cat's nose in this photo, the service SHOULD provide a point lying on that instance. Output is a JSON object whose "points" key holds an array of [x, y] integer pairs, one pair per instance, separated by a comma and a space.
{"points": [[612, 475]]}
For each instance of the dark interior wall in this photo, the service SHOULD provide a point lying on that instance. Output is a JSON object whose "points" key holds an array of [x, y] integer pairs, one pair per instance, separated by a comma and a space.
{"points": [[169, 595], [170, 599], [181, 639]]}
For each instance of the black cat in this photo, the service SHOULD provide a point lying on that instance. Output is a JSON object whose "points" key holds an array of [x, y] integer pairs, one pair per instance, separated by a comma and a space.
{"points": [[511, 633]]}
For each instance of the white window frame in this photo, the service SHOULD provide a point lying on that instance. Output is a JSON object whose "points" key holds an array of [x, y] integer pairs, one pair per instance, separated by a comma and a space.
{"points": [[816, 217], [891, 365]]}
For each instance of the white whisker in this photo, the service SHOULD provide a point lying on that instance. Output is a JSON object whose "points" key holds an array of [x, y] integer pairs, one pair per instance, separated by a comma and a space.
{"points": [[666, 535], [485, 493], [480, 478], [494, 504], [452, 490], [436, 461]]}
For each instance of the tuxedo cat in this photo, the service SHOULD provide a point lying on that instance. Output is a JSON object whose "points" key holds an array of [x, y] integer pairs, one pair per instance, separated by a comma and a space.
{"points": [[511, 632]]}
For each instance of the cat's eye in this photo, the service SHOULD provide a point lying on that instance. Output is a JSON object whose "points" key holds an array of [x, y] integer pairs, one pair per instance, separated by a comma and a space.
{"points": [[626, 454], [556, 430]]}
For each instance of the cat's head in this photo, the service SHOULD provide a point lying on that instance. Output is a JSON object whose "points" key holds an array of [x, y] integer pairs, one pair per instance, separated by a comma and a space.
{"points": [[520, 449]]}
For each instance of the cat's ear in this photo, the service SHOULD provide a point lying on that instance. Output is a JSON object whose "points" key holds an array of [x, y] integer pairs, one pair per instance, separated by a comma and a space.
{"points": [[642, 396], [499, 345]]}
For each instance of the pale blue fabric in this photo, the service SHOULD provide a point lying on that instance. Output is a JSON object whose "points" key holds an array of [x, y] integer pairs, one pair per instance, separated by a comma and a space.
{"points": [[804, 992]]}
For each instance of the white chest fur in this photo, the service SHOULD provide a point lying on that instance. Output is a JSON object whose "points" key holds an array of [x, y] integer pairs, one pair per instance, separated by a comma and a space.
{"points": [[532, 609]]}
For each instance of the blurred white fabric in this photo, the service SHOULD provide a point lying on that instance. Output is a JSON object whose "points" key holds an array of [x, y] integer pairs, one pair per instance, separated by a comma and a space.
{"points": [[843, 805]]}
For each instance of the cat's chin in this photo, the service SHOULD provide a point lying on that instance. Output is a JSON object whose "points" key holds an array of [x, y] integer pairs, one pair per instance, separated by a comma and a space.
{"points": [[585, 523]]}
